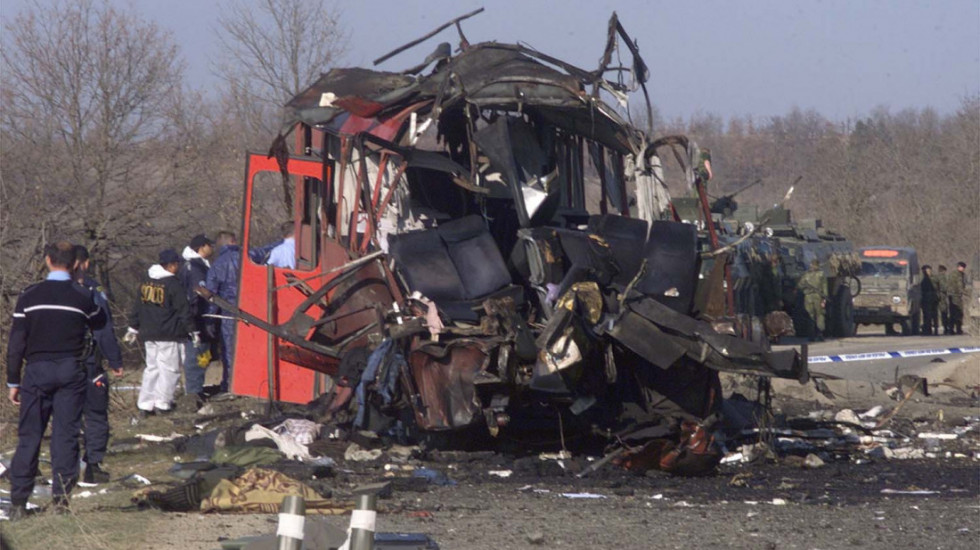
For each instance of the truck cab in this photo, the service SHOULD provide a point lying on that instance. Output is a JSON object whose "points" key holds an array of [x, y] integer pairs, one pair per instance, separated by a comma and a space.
{"points": [[889, 281]]}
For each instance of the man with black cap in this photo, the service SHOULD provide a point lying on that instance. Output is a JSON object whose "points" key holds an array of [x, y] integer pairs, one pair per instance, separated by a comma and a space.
{"points": [[95, 415], [192, 275], [50, 328], [162, 318]]}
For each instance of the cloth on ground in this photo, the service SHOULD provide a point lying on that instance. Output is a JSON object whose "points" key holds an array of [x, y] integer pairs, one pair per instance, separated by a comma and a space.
{"points": [[261, 491], [286, 443], [245, 456], [302, 430]]}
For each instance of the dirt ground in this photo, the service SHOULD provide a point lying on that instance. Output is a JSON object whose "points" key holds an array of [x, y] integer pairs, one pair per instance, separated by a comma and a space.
{"points": [[853, 500]]}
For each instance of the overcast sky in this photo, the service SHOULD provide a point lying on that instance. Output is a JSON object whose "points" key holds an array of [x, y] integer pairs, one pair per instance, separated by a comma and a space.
{"points": [[842, 58]]}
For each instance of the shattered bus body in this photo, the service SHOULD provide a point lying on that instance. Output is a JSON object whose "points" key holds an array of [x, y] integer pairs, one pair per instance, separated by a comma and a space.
{"points": [[456, 273]]}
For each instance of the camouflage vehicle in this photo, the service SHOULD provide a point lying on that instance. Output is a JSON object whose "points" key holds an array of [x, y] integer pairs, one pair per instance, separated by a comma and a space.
{"points": [[889, 277], [771, 252]]}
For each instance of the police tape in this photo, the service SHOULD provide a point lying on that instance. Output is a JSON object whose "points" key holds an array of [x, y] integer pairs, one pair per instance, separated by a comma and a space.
{"points": [[874, 355]]}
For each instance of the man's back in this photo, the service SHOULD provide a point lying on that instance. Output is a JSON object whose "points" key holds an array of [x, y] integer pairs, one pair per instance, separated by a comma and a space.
{"points": [[62, 304], [162, 312], [222, 278]]}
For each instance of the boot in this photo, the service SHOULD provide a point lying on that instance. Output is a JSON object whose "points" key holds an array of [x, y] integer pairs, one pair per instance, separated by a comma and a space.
{"points": [[95, 474], [18, 512], [59, 506]]}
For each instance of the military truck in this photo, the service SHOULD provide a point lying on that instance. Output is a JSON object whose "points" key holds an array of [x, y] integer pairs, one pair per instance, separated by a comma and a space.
{"points": [[889, 276]]}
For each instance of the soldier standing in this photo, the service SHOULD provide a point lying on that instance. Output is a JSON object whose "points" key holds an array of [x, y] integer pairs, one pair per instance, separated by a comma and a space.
{"points": [[957, 287], [930, 300], [941, 281], [813, 285]]}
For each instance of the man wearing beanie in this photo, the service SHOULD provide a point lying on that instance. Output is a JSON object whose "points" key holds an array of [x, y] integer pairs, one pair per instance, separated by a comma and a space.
{"points": [[161, 318]]}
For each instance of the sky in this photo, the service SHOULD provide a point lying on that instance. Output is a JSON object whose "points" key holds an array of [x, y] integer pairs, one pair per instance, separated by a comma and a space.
{"points": [[760, 58]]}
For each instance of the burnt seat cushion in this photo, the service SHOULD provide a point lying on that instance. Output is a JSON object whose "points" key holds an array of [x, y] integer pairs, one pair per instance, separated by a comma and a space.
{"points": [[426, 265], [457, 265], [672, 263], [626, 238], [475, 255]]}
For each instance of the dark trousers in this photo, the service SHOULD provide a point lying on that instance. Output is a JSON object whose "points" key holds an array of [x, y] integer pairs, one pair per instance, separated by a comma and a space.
{"points": [[193, 374], [929, 319], [95, 414], [956, 318], [52, 390], [227, 351], [944, 314]]}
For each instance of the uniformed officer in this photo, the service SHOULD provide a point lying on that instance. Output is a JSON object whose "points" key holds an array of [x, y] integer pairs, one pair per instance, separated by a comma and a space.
{"points": [[813, 285], [941, 281], [49, 331], [95, 416]]}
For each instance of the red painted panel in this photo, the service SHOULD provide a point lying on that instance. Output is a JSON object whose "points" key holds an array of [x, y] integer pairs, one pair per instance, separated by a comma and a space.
{"points": [[293, 383]]}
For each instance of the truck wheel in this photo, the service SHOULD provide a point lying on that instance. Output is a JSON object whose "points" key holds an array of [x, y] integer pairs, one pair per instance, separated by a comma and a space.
{"points": [[845, 313]]}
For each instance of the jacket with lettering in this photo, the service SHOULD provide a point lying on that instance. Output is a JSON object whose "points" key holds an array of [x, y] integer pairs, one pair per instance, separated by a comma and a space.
{"points": [[161, 311]]}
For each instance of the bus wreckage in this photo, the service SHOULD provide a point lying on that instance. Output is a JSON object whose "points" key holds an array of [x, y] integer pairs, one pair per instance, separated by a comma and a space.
{"points": [[485, 246]]}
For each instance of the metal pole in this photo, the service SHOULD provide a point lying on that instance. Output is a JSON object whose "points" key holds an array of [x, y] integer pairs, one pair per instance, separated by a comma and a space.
{"points": [[292, 523], [270, 338], [362, 521]]}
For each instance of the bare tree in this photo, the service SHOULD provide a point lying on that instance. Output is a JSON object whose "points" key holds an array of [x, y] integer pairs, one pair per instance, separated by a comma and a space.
{"points": [[273, 52], [84, 101]]}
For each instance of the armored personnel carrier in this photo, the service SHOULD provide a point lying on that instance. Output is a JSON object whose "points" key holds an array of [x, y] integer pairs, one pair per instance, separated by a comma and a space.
{"points": [[771, 251]]}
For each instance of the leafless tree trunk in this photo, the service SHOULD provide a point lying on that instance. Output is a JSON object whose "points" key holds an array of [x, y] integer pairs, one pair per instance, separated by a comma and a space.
{"points": [[271, 54]]}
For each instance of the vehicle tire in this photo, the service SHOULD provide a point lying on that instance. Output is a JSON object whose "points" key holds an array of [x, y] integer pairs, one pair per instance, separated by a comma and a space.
{"points": [[844, 311], [854, 286]]}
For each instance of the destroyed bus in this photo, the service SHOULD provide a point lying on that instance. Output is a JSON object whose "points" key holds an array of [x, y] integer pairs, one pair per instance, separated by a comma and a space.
{"points": [[455, 273]]}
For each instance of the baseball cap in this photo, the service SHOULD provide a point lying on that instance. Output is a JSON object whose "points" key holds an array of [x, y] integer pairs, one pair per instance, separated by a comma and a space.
{"points": [[169, 256]]}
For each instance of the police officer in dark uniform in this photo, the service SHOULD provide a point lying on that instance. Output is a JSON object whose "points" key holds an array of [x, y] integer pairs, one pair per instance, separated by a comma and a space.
{"points": [[95, 416], [49, 332]]}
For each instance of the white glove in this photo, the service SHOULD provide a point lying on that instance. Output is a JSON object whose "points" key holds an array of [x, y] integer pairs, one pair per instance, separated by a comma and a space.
{"points": [[196, 339], [130, 337]]}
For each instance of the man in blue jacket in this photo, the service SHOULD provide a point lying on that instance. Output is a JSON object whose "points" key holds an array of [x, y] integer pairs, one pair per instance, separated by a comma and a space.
{"points": [[95, 414], [223, 280], [193, 274]]}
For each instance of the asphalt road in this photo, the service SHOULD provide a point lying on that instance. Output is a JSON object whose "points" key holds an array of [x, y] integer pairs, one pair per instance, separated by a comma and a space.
{"points": [[883, 370]]}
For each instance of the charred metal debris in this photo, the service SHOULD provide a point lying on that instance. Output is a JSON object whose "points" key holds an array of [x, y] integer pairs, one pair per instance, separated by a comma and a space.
{"points": [[495, 255]]}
